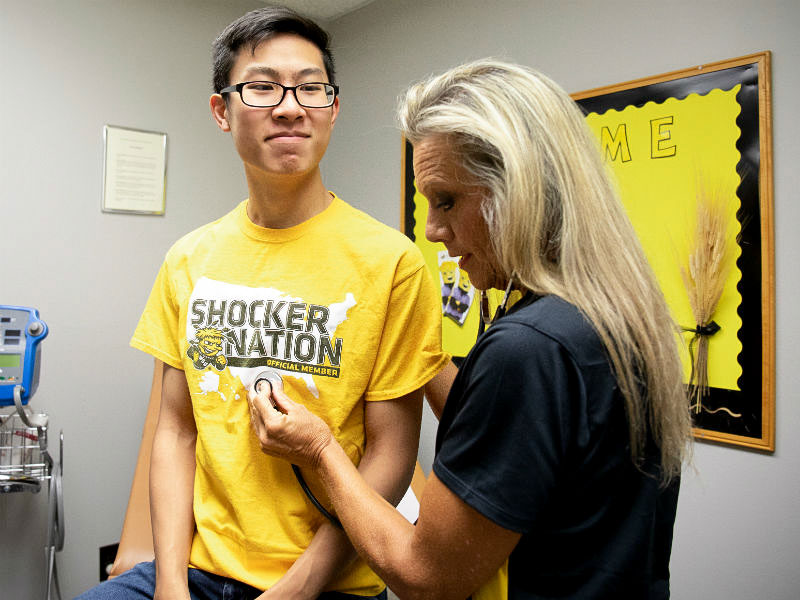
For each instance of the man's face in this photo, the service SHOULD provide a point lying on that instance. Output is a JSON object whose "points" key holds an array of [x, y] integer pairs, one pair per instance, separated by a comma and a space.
{"points": [[287, 139]]}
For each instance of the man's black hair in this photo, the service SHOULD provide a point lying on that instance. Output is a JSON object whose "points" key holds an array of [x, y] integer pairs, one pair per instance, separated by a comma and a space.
{"points": [[257, 26]]}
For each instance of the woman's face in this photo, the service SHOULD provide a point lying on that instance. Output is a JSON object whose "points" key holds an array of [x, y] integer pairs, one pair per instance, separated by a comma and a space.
{"points": [[454, 211]]}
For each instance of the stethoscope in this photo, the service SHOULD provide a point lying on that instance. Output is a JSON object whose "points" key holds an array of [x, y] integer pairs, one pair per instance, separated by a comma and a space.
{"points": [[275, 382]]}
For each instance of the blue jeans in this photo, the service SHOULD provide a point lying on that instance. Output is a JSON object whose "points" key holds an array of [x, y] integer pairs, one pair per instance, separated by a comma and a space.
{"points": [[139, 584]]}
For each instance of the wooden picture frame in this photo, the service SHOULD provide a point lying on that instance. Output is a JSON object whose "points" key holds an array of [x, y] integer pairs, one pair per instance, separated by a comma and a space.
{"points": [[741, 414]]}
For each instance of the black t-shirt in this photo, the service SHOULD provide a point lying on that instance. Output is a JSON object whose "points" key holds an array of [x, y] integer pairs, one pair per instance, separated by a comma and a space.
{"points": [[534, 437]]}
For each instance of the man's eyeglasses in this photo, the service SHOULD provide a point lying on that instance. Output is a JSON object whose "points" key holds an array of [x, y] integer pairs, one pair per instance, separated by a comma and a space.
{"points": [[264, 94]]}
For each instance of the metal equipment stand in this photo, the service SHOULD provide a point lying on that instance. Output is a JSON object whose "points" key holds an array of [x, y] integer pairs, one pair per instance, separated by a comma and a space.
{"points": [[25, 464]]}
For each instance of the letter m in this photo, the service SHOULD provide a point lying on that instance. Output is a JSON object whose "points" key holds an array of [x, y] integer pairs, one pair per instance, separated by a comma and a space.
{"points": [[612, 145]]}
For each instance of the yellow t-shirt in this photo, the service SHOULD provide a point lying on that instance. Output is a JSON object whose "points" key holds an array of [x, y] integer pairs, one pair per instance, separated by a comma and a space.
{"points": [[343, 308], [496, 588]]}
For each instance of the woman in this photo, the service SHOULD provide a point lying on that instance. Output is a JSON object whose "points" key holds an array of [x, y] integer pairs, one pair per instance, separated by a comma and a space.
{"points": [[564, 433]]}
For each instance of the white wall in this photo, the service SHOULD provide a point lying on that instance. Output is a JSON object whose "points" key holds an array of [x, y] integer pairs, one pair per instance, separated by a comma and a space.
{"points": [[738, 529], [68, 68]]}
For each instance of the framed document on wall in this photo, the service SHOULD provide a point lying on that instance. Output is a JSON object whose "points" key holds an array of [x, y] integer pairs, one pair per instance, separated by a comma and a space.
{"points": [[134, 171]]}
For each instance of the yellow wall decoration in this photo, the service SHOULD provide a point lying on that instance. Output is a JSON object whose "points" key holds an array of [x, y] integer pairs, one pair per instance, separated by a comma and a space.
{"points": [[670, 139], [651, 149], [673, 141]]}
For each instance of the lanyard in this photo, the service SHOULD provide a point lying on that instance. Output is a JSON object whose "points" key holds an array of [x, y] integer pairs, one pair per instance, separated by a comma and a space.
{"points": [[486, 320]]}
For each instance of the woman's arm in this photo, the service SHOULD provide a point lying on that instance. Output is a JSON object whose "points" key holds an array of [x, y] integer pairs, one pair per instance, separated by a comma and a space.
{"points": [[392, 433], [449, 554]]}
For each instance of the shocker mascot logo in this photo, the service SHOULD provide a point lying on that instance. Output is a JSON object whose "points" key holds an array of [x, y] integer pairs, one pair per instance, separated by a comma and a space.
{"points": [[206, 349]]}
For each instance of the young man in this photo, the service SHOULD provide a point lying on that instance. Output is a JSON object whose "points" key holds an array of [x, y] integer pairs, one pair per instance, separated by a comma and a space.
{"points": [[295, 281]]}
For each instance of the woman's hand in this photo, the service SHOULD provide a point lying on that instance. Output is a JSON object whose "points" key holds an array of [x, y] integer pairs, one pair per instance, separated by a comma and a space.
{"points": [[286, 429]]}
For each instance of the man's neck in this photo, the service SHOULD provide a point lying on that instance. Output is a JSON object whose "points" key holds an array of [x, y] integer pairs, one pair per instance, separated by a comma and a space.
{"points": [[285, 201]]}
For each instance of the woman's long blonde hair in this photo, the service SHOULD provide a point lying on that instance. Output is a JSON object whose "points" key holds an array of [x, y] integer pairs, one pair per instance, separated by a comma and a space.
{"points": [[556, 221]]}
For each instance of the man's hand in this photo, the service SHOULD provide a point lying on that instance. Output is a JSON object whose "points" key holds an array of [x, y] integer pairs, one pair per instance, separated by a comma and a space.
{"points": [[277, 592], [178, 591], [286, 429]]}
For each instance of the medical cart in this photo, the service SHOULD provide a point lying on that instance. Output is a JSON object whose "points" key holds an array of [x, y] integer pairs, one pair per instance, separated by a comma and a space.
{"points": [[25, 462]]}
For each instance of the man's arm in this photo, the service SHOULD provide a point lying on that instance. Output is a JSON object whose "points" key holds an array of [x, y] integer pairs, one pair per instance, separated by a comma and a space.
{"points": [[392, 434], [172, 467]]}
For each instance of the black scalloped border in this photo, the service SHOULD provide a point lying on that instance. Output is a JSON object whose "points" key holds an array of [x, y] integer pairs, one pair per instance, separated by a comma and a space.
{"points": [[747, 400], [408, 192]]}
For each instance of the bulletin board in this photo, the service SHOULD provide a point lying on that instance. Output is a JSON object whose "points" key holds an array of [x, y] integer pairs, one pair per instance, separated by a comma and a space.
{"points": [[670, 139], [667, 138]]}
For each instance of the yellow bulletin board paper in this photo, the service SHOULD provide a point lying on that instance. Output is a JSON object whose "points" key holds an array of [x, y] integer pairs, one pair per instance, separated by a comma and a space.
{"points": [[667, 138], [651, 150]]}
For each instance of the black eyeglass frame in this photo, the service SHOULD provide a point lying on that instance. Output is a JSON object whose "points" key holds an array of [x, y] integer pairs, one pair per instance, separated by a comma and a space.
{"points": [[239, 86]]}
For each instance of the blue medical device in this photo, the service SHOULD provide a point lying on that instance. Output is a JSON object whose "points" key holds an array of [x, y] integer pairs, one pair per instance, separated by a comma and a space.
{"points": [[24, 460], [21, 330]]}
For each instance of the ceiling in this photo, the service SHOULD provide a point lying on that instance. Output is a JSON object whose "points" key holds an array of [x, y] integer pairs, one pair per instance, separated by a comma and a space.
{"points": [[323, 10]]}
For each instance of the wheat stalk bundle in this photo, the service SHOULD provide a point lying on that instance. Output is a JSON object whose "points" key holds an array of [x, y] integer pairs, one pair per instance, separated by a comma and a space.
{"points": [[704, 277]]}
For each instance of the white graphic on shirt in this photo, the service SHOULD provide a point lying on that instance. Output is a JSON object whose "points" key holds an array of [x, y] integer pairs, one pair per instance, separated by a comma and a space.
{"points": [[246, 329], [210, 383]]}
